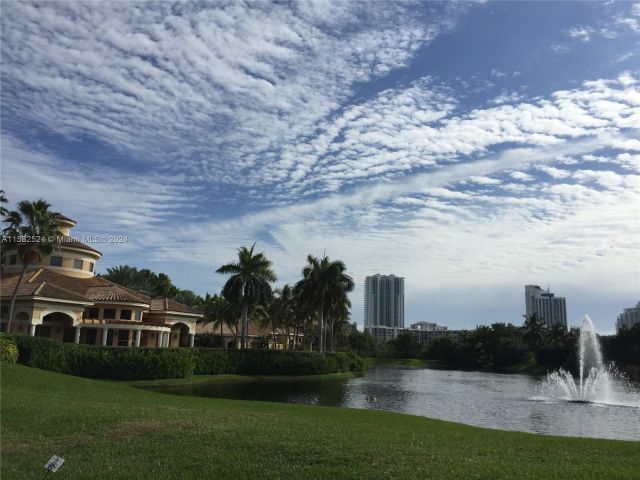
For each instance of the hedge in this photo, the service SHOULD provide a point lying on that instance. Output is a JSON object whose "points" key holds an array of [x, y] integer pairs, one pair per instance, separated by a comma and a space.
{"points": [[274, 362], [8, 349], [105, 362], [152, 363]]}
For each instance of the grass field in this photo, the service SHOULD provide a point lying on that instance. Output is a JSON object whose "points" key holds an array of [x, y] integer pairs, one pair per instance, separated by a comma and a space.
{"points": [[109, 430]]}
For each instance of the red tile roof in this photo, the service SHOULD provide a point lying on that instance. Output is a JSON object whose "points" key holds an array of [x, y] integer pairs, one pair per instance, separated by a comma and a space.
{"points": [[62, 218], [74, 243], [45, 282], [166, 304]]}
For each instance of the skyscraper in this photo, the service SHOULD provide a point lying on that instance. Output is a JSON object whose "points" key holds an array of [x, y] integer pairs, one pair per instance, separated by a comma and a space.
{"points": [[384, 306], [628, 318], [552, 309]]}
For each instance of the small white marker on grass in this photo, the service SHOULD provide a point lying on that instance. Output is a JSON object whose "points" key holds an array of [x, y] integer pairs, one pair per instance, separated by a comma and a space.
{"points": [[54, 463]]}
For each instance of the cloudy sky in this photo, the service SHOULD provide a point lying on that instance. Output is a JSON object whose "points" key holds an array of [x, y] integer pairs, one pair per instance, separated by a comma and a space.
{"points": [[471, 148]]}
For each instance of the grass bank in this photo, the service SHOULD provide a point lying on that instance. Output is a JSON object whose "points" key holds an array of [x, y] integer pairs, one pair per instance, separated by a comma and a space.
{"points": [[109, 430]]}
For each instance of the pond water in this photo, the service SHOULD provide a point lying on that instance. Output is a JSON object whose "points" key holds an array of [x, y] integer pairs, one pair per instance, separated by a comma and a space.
{"points": [[506, 402]]}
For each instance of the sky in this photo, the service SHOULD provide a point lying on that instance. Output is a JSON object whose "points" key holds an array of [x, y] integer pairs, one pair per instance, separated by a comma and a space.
{"points": [[472, 148]]}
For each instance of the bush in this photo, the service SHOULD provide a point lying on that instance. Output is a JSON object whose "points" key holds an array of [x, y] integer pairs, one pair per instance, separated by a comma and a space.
{"points": [[41, 353], [8, 349], [129, 363], [105, 362], [210, 361], [289, 362], [152, 363], [509, 352]]}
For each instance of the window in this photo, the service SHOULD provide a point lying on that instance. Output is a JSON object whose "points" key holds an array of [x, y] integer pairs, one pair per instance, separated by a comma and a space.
{"points": [[77, 263], [94, 313], [125, 314], [55, 261], [109, 314], [123, 338], [138, 316], [13, 259], [90, 336], [91, 266]]}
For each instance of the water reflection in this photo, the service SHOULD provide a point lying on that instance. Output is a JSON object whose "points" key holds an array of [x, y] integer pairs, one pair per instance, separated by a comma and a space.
{"points": [[506, 402]]}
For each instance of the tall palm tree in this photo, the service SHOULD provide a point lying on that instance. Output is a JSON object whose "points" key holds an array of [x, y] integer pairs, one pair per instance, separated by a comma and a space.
{"points": [[283, 308], [534, 331], [3, 213], [339, 310], [322, 280], [249, 283], [33, 232]]}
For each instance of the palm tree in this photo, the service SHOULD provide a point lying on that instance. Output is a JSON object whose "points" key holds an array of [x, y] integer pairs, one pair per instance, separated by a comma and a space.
{"points": [[33, 232], [124, 275], [3, 213], [339, 311], [534, 331], [283, 310], [322, 281], [249, 283]]}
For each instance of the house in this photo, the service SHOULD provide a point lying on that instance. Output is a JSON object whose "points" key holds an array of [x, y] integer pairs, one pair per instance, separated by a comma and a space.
{"points": [[229, 338], [62, 298]]}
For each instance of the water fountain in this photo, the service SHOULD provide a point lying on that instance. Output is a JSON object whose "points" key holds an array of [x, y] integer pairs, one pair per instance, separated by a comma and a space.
{"points": [[595, 378]]}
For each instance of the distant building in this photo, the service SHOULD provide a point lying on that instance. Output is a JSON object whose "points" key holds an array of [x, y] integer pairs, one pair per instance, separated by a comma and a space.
{"points": [[384, 306], [384, 301], [628, 318], [426, 332], [552, 309]]}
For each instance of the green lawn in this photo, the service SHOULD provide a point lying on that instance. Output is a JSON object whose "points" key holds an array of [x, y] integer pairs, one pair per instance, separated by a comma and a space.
{"points": [[109, 430]]}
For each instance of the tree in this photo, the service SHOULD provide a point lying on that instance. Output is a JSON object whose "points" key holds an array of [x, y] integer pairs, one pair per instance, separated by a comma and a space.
{"points": [[33, 232], [3, 213], [282, 311], [323, 281], [534, 331], [249, 283], [405, 345], [189, 298]]}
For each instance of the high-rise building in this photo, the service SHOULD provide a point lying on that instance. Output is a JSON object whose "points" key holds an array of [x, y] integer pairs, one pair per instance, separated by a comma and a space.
{"points": [[628, 318], [384, 306], [384, 301], [552, 309]]}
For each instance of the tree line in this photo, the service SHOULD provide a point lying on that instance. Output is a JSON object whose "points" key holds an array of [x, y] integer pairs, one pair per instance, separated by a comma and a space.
{"points": [[317, 306]]}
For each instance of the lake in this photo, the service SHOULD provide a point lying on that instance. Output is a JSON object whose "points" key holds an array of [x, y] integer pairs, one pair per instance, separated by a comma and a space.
{"points": [[506, 402]]}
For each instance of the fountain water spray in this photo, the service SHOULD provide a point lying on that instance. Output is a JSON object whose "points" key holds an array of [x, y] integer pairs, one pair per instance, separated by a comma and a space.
{"points": [[594, 376]]}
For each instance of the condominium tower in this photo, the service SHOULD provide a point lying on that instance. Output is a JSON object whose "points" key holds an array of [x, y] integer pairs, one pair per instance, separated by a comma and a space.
{"points": [[384, 306], [552, 309], [628, 318]]}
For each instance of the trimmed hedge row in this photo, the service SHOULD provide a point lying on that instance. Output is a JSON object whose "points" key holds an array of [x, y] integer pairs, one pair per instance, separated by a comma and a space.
{"points": [[8, 349], [274, 362], [151, 363], [104, 362]]}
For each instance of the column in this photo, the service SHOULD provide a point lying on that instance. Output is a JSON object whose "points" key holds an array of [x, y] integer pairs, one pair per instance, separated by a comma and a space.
{"points": [[138, 332], [191, 339], [158, 339], [32, 330], [167, 336], [104, 336], [77, 339]]}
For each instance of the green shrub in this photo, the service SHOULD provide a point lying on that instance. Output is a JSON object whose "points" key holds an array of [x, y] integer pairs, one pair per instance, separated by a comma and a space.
{"points": [[210, 361], [105, 362], [289, 362], [41, 353], [8, 349], [152, 363]]}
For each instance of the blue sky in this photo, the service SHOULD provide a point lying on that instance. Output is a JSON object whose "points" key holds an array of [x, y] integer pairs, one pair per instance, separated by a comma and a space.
{"points": [[471, 148]]}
